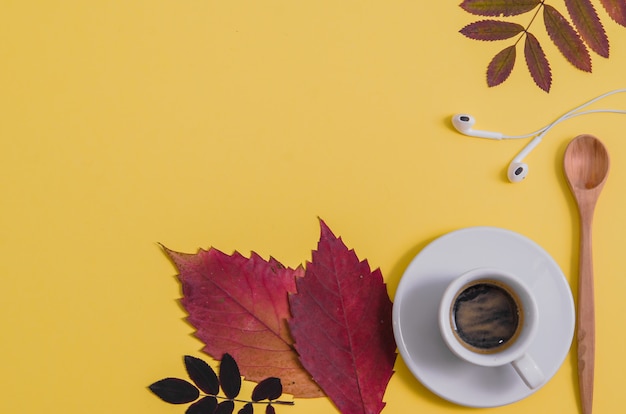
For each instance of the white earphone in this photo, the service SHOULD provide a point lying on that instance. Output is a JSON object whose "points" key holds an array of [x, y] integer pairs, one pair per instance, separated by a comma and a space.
{"points": [[518, 170]]}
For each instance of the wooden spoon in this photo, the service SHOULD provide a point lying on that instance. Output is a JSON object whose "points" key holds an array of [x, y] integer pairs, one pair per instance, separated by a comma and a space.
{"points": [[586, 165]]}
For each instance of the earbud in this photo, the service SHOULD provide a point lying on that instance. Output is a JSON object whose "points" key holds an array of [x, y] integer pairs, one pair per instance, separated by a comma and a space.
{"points": [[464, 123], [517, 170]]}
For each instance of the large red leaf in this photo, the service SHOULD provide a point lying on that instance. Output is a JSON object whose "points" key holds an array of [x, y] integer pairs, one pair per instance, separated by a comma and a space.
{"points": [[501, 66], [499, 7], [240, 306], [342, 327], [588, 23], [616, 9], [566, 39], [491, 30], [537, 62]]}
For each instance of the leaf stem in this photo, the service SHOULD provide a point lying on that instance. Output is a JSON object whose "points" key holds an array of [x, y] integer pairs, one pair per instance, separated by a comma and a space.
{"points": [[531, 22], [277, 402]]}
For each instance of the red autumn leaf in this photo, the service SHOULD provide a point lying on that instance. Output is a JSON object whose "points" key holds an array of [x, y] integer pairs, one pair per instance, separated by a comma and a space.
{"points": [[499, 7], [501, 66], [616, 10], [491, 30], [566, 39], [342, 327], [588, 23], [240, 306], [537, 63]]}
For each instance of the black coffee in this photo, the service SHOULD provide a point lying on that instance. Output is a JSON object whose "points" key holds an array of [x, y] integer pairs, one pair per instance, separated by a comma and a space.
{"points": [[486, 317]]}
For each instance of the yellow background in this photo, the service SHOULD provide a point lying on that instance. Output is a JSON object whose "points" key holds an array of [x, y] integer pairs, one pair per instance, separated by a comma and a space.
{"points": [[235, 124]]}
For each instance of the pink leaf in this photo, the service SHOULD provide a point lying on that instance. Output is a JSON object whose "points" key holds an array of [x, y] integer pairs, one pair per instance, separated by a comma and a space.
{"points": [[342, 327], [566, 39], [491, 30], [501, 66], [499, 7], [616, 10], [537, 63], [588, 23], [240, 306]]}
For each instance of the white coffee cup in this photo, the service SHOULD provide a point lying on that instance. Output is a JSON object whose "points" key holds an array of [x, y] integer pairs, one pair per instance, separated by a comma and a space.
{"points": [[489, 317]]}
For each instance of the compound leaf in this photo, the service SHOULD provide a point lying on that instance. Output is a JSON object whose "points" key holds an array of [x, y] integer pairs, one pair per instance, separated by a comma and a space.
{"points": [[175, 390], [501, 66], [566, 39], [240, 306], [230, 377], [491, 30], [537, 63], [499, 7], [202, 375], [342, 327], [616, 9], [588, 23]]}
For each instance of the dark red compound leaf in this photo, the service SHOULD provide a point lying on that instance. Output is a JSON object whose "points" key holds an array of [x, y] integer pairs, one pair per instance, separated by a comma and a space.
{"points": [[616, 9], [589, 27], [342, 327], [230, 377], [537, 63], [205, 405], [225, 407], [202, 375], [240, 306], [268, 389], [501, 66], [566, 39], [499, 7], [175, 391], [491, 30], [247, 409], [270, 409]]}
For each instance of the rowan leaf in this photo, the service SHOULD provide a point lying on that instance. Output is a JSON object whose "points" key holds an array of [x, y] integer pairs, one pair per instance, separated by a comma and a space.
{"points": [[537, 63], [616, 9], [205, 405], [202, 375], [268, 389], [230, 377], [240, 306], [499, 7], [175, 390], [491, 30], [342, 326], [269, 409], [588, 24], [246, 409], [501, 66], [225, 407], [566, 39]]}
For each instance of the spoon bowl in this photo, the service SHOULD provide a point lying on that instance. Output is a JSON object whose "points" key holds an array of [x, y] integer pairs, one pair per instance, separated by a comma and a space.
{"points": [[586, 166]]}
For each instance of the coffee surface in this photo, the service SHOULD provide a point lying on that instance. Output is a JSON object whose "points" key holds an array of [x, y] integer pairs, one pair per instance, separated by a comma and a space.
{"points": [[486, 317]]}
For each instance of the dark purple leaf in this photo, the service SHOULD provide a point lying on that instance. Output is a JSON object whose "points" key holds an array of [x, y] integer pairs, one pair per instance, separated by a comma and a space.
{"points": [[230, 378], [501, 66], [270, 410], [247, 409], [225, 407], [202, 375], [616, 10], [566, 39], [206, 405], [175, 390], [499, 7], [268, 389], [537, 63], [589, 27], [491, 30]]}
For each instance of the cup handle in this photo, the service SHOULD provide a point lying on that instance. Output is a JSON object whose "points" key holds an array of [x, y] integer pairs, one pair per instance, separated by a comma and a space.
{"points": [[529, 371]]}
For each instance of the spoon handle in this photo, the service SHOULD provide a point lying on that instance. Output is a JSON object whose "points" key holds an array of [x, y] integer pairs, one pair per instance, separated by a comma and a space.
{"points": [[586, 317]]}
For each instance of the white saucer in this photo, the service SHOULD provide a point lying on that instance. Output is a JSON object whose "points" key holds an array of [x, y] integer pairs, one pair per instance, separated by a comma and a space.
{"points": [[417, 300]]}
